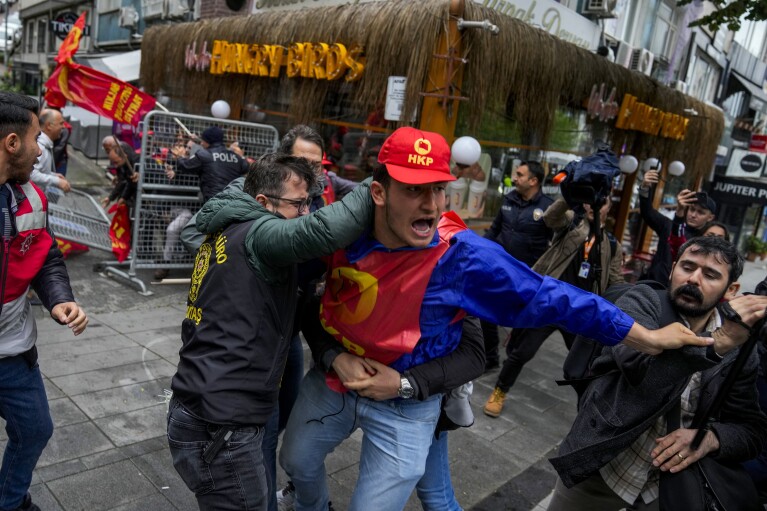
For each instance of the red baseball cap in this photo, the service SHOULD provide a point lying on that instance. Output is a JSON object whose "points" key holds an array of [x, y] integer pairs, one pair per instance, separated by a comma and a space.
{"points": [[325, 160], [416, 157]]}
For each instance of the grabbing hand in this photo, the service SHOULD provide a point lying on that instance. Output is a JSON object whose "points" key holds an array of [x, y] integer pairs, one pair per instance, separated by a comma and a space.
{"points": [[64, 184], [104, 202], [384, 384], [749, 309], [70, 314], [672, 336], [673, 451], [169, 172], [350, 368]]}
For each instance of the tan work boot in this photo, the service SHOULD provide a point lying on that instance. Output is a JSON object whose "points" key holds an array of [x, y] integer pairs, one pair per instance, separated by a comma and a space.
{"points": [[494, 405]]}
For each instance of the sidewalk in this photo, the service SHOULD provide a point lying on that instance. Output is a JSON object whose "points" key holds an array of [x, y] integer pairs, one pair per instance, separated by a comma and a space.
{"points": [[109, 452]]}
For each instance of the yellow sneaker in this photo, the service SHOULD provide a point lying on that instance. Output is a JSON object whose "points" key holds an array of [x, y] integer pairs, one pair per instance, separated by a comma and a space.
{"points": [[494, 405]]}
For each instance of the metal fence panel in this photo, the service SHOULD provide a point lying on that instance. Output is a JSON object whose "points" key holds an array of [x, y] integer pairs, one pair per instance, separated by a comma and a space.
{"points": [[76, 216], [163, 206]]}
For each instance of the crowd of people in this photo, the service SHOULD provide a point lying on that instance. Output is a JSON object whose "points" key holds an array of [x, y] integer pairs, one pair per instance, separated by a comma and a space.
{"points": [[399, 304]]}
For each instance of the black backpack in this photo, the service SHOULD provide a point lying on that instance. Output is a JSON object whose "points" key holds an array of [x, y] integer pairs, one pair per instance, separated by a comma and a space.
{"points": [[578, 371]]}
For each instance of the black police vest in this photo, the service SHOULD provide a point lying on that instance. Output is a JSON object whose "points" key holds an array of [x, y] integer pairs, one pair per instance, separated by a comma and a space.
{"points": [[235, 335]]}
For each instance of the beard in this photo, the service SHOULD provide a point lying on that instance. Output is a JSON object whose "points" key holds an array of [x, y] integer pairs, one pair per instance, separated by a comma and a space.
{"points": [[696, 308], [21, 164]]}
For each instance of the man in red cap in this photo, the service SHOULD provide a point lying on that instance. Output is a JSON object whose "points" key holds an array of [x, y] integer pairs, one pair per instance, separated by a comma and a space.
{"points": [[392, 312]]}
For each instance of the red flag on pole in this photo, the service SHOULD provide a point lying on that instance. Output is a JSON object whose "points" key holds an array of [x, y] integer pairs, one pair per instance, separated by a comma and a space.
{"points": [[91, 89]]}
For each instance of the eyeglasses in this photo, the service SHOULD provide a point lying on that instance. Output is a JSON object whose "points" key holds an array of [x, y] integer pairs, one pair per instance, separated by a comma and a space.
{"points": [[302, 205]]}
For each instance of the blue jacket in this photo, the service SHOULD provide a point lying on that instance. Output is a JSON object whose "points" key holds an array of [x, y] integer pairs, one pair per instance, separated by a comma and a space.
{"points": [[478, 276], [519, 227]]}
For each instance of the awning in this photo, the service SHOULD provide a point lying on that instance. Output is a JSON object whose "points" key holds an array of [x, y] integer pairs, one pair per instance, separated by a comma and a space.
{"points": [[757, 93], [125, 66]]}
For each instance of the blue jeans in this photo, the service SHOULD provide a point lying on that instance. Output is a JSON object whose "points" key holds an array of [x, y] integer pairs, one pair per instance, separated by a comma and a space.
{"points": [[434, 489], [291, 380], [235, 479], [24, 406], [396, 441]]}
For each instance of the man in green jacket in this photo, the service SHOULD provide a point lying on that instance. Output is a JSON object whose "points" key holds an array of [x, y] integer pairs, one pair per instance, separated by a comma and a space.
{"points": [[239, 321]]}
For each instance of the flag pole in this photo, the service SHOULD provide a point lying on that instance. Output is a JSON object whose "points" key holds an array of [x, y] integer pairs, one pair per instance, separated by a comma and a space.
{"points": [[175, 119]]}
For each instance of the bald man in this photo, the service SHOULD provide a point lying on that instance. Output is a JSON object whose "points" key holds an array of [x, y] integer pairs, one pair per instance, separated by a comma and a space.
{"points": [[44, 173]]}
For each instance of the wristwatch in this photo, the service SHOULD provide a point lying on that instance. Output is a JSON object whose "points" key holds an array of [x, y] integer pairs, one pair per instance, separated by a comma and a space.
{"points": [[406, 391]]}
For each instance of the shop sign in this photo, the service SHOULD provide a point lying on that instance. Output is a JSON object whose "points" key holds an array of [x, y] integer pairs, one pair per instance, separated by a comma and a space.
{"points": [[320, 61], [292, 5], [758, 143], [744, 163], [636, 116], [739, 191], [599, 106], [552, 17], [62, 24]]}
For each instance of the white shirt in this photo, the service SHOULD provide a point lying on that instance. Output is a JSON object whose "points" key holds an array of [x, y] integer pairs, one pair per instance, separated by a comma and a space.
{"points": [[44, 171]]}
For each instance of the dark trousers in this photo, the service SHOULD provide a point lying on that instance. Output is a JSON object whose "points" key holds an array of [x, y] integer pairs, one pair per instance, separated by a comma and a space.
{"points": [[291, 380], [490, 334], [522, 347], [24, 406], [235, 478]]}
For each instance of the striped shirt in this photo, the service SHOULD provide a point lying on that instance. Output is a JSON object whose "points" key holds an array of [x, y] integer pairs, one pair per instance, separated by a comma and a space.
{"points": [[631, 473]]}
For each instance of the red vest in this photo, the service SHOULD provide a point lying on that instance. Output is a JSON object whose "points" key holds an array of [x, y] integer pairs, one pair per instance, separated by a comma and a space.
{"points": [[29, 249], [363, 305]]}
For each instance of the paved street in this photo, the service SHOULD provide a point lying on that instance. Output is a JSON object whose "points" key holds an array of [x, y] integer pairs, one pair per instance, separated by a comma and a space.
{"points": [[106, 393]]}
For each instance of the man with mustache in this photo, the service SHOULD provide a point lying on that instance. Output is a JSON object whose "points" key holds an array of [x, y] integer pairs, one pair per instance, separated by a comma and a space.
{"points": [[393, 305], [620, 439]]}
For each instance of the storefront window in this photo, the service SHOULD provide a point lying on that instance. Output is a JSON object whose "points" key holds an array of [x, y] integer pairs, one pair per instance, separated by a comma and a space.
{"points": [[664, 32]]}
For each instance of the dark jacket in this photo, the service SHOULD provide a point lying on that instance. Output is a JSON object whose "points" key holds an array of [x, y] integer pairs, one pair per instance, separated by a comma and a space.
{"points": [[620, 405], [124, 187], [519, 227], [569, 239], [216, 166], [660, 267], [242, 299]]}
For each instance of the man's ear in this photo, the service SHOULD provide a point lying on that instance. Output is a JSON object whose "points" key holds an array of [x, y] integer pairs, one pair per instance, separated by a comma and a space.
{"points": [[11, 143], [263, 200], [378, 192], [732, 291]]}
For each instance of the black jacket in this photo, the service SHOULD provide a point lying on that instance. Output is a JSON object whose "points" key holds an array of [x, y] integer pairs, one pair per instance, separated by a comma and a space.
{"points": [[620, 405], [519, 227], [216, 166]]}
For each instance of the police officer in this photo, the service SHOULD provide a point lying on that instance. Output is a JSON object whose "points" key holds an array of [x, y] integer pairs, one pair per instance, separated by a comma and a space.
{"points": [[519, 227], [216, 165]]}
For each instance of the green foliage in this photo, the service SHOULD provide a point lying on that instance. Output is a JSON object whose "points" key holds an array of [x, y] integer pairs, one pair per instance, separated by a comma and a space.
{"points": [[6, 84], [755, 246], [729, 13]]}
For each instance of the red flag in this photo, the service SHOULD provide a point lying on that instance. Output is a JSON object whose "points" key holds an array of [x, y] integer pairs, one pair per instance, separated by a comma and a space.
{"points": [[93, 90], [119, 231], [72, 42], [68, 248]]}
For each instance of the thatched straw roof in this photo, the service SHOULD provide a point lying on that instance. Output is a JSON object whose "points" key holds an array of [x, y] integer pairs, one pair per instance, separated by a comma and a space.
{"points": [[538, 71]]}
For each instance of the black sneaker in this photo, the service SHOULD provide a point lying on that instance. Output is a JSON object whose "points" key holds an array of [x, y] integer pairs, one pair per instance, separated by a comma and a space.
{"points": [[27, 505], [162, 273]]}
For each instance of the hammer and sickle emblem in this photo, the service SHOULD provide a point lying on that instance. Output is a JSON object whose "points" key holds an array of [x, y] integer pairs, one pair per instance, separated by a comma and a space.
{"points": [[339, 279]]}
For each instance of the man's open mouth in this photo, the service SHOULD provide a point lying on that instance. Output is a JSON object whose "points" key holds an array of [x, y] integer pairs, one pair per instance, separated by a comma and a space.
{"points": [[422, 226]]}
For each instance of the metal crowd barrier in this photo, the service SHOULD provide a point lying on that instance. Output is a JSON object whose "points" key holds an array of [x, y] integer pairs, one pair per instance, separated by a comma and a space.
{"points": [[162, 203], [77, 217]]}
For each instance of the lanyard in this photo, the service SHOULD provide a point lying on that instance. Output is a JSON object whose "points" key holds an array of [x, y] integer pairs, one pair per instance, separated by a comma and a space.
{"points": [[587, 248]]}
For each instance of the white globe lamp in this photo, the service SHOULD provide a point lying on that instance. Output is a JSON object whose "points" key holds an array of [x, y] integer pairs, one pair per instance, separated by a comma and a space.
{"points": [[676, 168], [220, 109], [628, 164], [651, 163], [466, 150]]}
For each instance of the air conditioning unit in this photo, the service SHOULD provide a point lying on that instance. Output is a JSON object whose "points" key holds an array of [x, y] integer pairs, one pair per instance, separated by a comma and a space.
{"points": [[177, 8], [152, 9], [600, 8], [623, 54], [109, 5], [641, 60], [128, 17], [680, 86]]}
